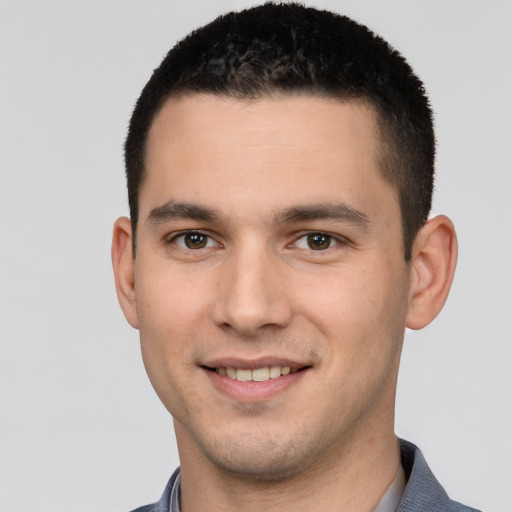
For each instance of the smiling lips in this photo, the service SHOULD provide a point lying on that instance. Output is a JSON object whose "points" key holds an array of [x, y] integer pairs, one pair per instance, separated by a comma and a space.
{"points": [[254, 381], [258, 375]]}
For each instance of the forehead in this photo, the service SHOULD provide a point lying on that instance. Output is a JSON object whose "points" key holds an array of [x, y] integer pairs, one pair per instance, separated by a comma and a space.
{"points": [[268, 151], [294, 117]]}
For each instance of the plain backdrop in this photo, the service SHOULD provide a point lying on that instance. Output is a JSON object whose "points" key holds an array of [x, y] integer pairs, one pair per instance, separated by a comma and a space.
{"points": [[80, 427]]}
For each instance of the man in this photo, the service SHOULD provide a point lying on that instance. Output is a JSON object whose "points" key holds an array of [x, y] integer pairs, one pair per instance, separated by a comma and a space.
{"points": [[280, 170]]}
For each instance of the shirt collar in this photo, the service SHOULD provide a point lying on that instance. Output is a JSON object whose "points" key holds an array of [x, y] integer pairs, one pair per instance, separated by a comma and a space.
{"points": [[388, 503], [391, 499]]}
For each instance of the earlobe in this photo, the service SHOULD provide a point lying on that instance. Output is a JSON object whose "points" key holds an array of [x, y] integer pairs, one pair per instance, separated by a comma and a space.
{"points": [[433, 262], [124, 269]]}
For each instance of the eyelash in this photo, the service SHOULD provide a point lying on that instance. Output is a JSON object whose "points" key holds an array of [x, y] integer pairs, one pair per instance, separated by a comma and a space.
{"points": [[173, 240], [321, 236]]}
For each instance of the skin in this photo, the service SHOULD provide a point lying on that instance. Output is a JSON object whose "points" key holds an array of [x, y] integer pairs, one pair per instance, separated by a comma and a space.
{"points": [[254, 179]]}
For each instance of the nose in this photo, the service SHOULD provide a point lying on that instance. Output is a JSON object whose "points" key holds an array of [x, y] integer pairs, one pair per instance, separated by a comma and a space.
{"points": [[252, 294]]}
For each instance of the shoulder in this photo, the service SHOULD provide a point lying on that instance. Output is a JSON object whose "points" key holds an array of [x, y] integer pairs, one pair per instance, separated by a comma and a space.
{"points": [[163, 503], [423, 492]]}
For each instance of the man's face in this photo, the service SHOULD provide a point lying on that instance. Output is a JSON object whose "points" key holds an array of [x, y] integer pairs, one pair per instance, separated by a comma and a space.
{"points": [[269, 243]]}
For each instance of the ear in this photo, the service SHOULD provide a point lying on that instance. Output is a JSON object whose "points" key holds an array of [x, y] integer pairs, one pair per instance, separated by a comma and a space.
{"points": [[434, 256], [123, 262]]}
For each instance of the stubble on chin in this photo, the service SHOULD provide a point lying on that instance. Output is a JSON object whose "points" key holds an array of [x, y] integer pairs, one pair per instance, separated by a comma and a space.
{"points": [[261, 456]]}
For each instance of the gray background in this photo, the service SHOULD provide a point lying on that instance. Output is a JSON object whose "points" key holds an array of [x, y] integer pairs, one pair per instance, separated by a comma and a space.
{"points": [[80, 426]]}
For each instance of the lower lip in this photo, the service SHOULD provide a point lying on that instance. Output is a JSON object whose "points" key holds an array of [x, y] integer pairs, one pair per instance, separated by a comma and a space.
{"points": [[252, 391]]}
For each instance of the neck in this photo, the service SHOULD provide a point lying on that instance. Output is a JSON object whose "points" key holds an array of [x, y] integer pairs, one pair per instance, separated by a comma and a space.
{"points": [[352, 477]]}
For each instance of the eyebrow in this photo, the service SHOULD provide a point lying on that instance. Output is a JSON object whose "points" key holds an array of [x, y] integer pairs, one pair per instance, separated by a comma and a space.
{"points": [[174, 210], [336, 211]]}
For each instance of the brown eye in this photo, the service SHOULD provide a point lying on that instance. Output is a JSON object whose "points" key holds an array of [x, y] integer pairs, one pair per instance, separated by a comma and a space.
{"points": [[319, 241], [195, 240], [189, 242]]}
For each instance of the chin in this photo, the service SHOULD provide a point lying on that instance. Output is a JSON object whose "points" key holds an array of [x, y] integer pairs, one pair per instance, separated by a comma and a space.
{"points": [[262, 459], [258, 471]]}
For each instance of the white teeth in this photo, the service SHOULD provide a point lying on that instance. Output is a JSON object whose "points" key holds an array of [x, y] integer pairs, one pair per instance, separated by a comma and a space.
{"points": [[257, 375], [261, 374], [243, 375], [275, 371]]}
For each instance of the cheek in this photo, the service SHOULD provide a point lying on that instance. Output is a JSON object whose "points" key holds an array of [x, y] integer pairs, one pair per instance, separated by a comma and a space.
{"points": [[168, 299], [171, 312], [359, 310], [340, 302]]}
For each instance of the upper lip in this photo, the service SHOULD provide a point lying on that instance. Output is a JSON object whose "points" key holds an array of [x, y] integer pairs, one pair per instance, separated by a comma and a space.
{"points": [[252, 364]]}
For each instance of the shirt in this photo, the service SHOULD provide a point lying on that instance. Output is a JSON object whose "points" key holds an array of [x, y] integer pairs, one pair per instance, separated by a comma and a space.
{"points": [[423, 493], [388, 503]]}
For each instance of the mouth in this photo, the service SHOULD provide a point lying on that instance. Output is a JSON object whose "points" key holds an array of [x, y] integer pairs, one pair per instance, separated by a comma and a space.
{"points": [[262, 374], [254, 380]]}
